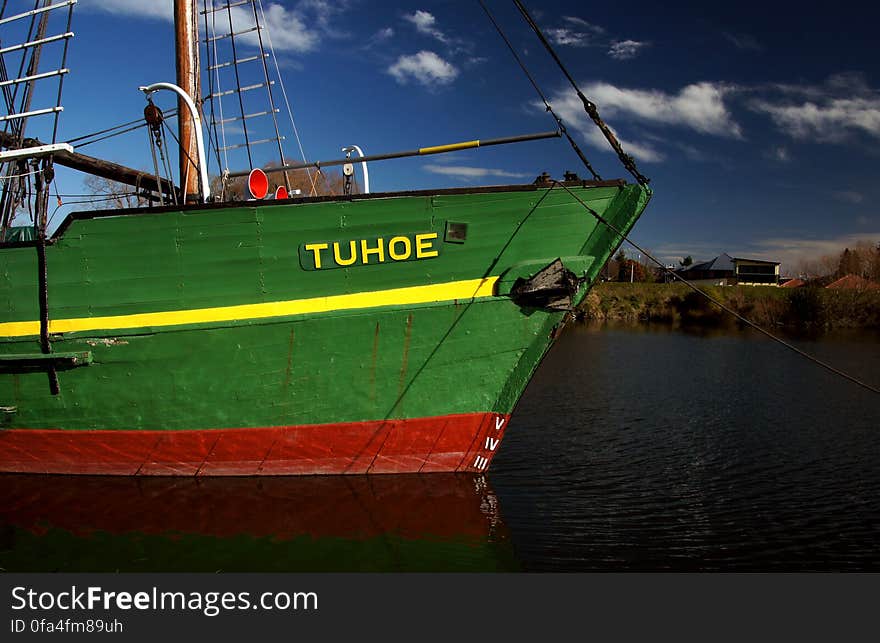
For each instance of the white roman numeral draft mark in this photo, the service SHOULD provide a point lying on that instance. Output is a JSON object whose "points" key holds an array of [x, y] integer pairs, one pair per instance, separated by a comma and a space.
{"points": [[499, 422], [480, 463], [491, 443]]}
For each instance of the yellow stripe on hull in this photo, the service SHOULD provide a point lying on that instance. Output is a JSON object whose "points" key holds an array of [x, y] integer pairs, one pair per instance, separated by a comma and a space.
{"points": [[469, 289]]}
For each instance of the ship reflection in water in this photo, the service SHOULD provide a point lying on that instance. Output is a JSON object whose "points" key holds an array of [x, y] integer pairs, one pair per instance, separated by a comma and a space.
{"points": [[441, 522]]}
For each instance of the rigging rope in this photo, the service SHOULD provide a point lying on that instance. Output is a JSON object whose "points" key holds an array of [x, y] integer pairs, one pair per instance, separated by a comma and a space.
{"points": [[589, 106], [547, 106], [272, 108], [138, 121], [76, 139], [166, 162], [176, 140], [156, 166], [247, 142], [460, 314], [104, 138], [213, 48], [286, 101], [212, 129], [16, 176], [715, 301], [61, 77], [13, 192], [17, 125], [261, 24]]}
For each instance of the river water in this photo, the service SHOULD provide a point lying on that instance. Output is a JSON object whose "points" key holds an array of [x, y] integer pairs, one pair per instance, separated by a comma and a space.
{"points": [[635, 448], [654, 449]]}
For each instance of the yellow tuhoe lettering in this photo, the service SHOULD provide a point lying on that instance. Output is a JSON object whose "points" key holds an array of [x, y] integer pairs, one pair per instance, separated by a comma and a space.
{"points": [[379, 250], [316, 249], [352, 254], [407, 248], [424, 245]]}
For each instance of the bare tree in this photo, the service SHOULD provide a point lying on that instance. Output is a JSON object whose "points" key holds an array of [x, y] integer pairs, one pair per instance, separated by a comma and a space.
{"points": [[110, 195], [874, 272], [310, 182]]}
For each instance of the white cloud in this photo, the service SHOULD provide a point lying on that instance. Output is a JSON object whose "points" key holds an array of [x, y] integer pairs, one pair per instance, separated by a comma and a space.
{"points": [[287, 27], [577, 33], [563, 36], [691, 152], [795, 251], [426, 23], [580, 22], [381, 37], [841, 108], [699, 106], [570, 109], [467, 172], [779, 153], [425, 67], [849, 82], [162, 9], [744, 42], [832, 120], [849, 196], [321, 11], [626, 49], [843, 84], [639, 151]]}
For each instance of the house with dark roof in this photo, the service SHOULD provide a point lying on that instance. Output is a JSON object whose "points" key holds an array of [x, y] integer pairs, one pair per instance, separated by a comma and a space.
{"points": [[725, 270]]}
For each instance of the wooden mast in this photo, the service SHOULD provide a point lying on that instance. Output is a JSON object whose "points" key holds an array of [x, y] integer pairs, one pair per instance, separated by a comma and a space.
{"points": [[186, 34]]}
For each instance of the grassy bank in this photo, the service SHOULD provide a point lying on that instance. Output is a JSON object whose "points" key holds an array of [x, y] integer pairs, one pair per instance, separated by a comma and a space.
{"points": [[805, 308]]}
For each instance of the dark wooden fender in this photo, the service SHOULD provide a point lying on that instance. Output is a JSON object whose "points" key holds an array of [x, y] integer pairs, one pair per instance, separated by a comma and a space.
{"points": [[41, 363]]}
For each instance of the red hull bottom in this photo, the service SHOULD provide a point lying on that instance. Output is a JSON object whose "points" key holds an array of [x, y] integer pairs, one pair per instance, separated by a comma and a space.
{"points": [[465, 442]]}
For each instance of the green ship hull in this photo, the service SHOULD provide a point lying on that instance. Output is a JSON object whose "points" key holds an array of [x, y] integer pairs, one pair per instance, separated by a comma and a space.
{"points": [[381, 333]]}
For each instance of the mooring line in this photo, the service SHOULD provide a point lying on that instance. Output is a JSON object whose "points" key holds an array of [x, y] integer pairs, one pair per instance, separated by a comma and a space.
{"points": [[723, 307], [522, 65], [452, 326], [589, 106]]}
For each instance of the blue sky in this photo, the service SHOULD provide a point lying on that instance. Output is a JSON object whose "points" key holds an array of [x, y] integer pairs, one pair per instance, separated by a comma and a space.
{"points": [[758, 123]]}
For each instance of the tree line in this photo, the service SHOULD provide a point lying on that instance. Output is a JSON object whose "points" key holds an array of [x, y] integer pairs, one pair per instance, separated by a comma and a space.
{"points": [[861, 260]]}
